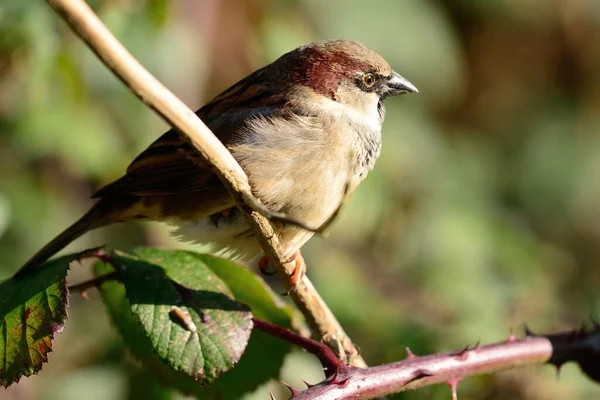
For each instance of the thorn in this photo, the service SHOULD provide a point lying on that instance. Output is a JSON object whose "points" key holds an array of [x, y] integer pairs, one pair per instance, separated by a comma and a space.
{"points": [[453, 384], [477, 346], [308, 385], [342, 382], [84, 295], [335, 379], [97, 252], [334, 376], [271, 394], [290, 388], [528, 331], [463, 354], [511, 336], [558, 368], [418, 374], [409, 354]]}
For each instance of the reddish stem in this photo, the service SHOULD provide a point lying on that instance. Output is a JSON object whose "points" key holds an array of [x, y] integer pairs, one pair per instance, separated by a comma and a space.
{"points": [[83, 286], [581, 346], [331, 363]]}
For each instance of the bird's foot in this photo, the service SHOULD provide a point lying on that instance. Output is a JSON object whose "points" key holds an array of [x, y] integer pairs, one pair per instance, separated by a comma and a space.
{"points": [[299, 271], [264, 267], [223, 215]]}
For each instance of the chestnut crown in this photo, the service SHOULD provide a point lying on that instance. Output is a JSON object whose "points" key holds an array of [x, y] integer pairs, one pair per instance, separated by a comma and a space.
{"points": [[322, 66]]}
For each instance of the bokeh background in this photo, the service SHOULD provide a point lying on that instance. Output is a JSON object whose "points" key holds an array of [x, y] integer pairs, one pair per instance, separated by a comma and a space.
{"points": [[482, 214]]}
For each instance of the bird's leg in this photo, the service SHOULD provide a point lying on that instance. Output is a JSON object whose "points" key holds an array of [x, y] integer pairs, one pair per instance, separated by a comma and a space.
{"points": [[221, 215], [264, 267], [299, 270]]}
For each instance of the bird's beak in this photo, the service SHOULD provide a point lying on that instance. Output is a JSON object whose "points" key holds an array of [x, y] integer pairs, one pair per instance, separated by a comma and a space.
{"points": [[397, 84]]}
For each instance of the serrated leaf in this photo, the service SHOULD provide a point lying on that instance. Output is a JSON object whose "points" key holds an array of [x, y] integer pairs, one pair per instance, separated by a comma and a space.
{"points": [[32, 310], [113, 295], [262, 349], [188, 313]]}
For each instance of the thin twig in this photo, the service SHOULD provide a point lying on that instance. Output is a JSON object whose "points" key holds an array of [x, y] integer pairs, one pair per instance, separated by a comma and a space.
{"points": [[331, 363], [101, 41], [95, 282]]}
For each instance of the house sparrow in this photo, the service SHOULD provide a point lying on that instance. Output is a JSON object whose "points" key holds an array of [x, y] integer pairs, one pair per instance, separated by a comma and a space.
{"points": [[306, 129]]}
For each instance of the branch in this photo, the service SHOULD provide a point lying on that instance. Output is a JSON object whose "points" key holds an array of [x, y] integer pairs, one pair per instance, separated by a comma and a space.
{"points": [[94, 283], [101, 41], [328, 359], [345, 383]]}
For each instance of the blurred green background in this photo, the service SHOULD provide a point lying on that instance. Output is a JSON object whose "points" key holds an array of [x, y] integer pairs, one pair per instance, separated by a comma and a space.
{"points": [[482, 214]]}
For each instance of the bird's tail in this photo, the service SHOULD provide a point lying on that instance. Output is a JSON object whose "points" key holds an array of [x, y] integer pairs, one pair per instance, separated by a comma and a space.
{"points": [[99, 215]]}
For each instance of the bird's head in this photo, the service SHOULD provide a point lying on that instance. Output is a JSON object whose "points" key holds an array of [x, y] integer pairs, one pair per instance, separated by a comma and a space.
{"points": [[334, 77], [344, 71]]}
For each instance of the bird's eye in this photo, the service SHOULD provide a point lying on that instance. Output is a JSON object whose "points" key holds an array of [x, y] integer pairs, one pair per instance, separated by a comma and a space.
{"points": [[368, 80]]}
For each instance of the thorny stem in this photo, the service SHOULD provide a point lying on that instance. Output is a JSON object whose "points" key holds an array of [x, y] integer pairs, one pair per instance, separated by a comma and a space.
{"points": [[100, 254], [581, 346], [417, 372], [86, 24], [92, 283]]}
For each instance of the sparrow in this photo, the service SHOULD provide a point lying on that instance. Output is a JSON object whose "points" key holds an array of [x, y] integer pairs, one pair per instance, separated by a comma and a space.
{"points": [[306, 129]]}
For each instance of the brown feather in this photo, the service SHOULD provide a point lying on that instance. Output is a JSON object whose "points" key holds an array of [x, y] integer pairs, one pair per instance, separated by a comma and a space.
{"points": [[300, 127]]}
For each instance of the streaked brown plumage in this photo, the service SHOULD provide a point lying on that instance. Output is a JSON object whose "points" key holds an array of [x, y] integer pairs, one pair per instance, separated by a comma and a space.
{"points": [[304, 128]]}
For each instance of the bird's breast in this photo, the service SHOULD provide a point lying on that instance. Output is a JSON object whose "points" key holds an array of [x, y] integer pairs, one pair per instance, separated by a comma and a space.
{"points": [[304, 165]]}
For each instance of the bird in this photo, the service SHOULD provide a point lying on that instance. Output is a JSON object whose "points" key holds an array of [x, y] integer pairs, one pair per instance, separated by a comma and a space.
{"points": [[306, 129]]}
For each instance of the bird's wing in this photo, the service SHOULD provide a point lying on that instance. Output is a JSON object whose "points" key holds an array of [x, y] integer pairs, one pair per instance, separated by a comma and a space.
{"points": [[162, 169], [172, 166]]}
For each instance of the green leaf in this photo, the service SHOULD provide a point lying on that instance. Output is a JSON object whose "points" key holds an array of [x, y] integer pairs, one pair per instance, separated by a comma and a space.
{"points": [[188, 313], [113, 295], [32, 310], [262, 350]]}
